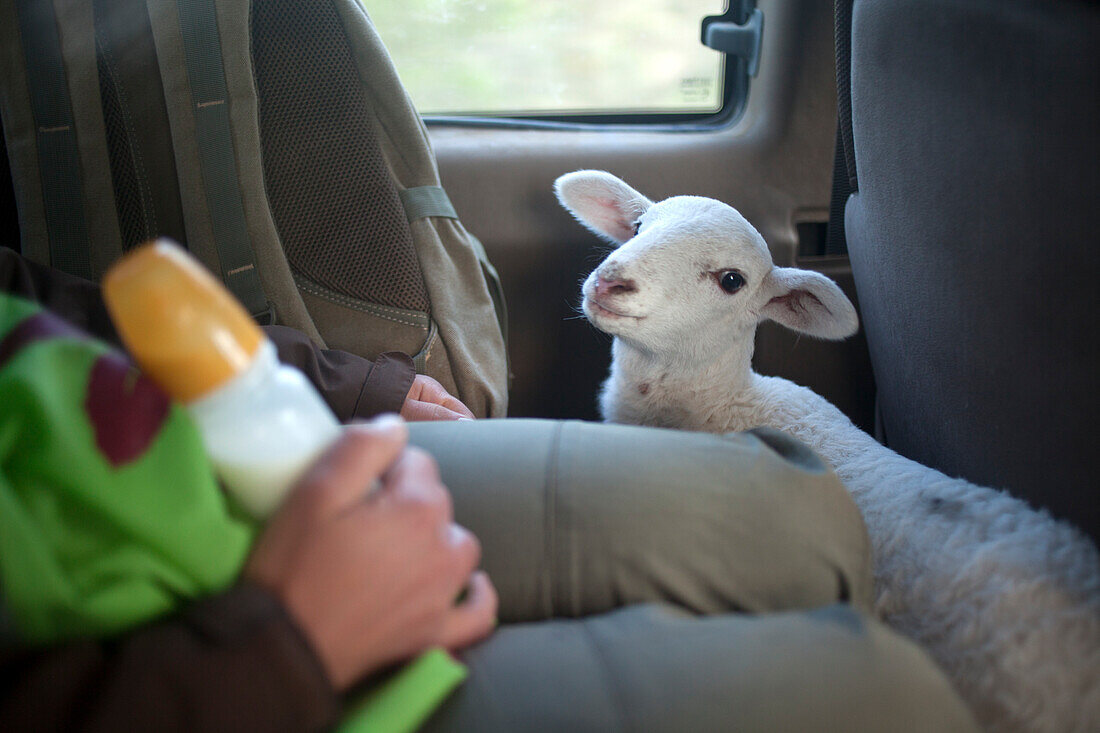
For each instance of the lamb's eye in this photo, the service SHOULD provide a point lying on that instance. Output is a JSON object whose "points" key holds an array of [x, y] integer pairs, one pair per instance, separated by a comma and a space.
{"points": [[731, 281], [637, 226]]}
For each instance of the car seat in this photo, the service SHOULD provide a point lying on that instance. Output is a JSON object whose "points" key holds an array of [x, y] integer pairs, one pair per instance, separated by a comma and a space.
{"points": [[970, 136]]}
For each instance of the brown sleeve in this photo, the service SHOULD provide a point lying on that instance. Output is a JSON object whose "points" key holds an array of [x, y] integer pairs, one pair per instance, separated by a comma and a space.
{"points": [[354, 387], [233, 662], [76, 300]]}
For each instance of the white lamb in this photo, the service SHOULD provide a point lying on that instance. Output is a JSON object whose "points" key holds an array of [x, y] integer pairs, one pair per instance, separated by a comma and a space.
{"points": [[1005, 598]]}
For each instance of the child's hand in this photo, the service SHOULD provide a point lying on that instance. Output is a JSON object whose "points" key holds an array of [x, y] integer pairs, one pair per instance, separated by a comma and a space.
{"points": [[428, 400]]}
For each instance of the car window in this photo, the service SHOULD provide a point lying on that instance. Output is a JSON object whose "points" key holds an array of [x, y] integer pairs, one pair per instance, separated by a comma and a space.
{"points": [[613, 59]]}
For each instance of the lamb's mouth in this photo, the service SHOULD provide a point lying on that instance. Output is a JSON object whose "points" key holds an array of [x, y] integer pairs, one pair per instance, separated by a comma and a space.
{"points": [[606, 312]]}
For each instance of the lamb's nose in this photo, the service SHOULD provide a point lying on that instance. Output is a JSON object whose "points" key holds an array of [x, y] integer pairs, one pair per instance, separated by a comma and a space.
{"points": [[614, 287]]}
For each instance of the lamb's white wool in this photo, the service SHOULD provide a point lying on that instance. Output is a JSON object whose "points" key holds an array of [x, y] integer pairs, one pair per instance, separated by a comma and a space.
{"points": [[1005, 598]]}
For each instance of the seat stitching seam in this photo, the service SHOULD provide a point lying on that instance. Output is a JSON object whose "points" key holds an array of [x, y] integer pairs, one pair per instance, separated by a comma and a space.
{"points": [[550, 507], [618, 698]]}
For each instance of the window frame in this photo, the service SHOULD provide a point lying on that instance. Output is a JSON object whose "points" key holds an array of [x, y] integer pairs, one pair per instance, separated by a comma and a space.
{"points": [[734, 79]]}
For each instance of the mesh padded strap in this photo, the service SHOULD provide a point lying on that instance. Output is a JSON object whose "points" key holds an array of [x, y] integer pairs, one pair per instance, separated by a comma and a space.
{"points": [[58, 157], [844, 164], [836, 243], [202, 49], [842, 37], [425, 201]]}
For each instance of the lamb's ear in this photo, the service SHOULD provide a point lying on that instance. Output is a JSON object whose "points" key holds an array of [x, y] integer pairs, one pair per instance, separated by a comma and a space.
{"points": [[808, 302], [602, 203]]}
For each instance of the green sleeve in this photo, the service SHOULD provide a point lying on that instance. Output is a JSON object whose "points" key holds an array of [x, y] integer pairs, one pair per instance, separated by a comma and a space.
{"points": [[109, 511]]}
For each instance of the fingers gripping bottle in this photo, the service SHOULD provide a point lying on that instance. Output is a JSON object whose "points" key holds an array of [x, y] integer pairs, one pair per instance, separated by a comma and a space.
{"points": [[263, 423]]}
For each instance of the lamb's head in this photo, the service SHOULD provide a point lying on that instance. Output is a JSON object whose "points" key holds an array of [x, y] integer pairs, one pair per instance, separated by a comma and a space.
{"points": [[689, 266]]}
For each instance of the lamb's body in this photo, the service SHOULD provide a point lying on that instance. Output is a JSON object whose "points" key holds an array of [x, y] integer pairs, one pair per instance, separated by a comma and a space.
{"points": [[1004, 597]]}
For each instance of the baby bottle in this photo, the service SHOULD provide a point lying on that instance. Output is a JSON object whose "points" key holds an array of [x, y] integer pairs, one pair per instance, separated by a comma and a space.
{"points": [[262, 422]]}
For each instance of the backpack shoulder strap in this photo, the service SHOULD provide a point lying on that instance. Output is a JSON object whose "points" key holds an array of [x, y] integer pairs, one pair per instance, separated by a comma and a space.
{"points": [[59, 168], [54, 134], [202, 52], [210, 97]]}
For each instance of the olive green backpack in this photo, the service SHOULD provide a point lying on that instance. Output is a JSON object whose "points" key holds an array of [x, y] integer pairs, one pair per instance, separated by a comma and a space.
{"points": [[274, 140]]}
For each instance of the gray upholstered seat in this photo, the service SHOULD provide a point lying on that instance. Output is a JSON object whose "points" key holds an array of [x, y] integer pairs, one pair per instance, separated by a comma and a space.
{"points": [[975, 237]]}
